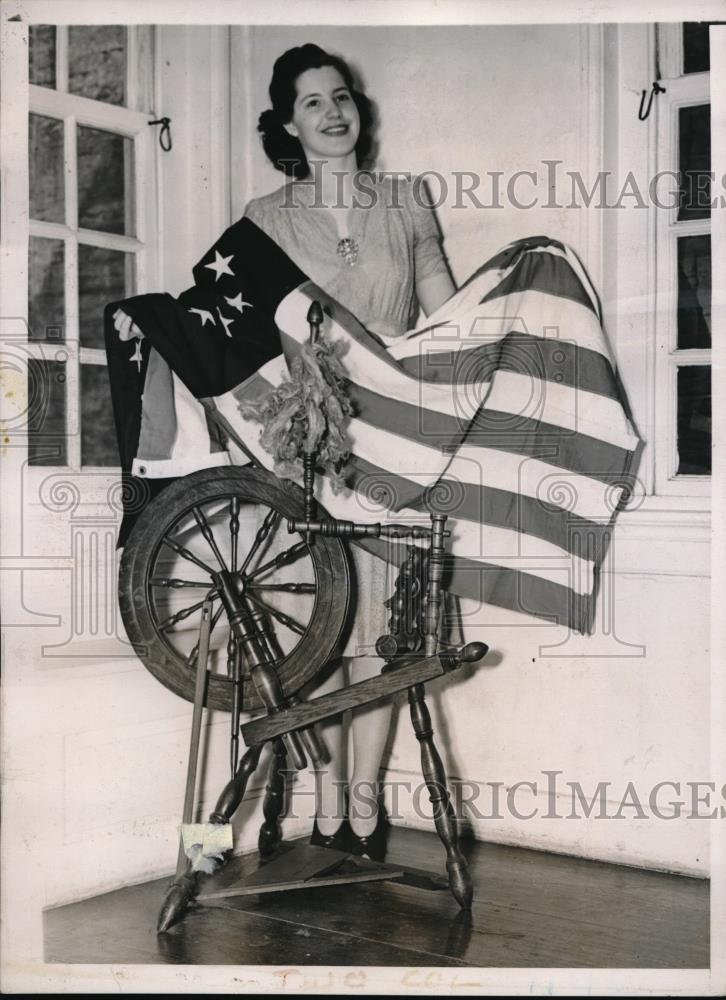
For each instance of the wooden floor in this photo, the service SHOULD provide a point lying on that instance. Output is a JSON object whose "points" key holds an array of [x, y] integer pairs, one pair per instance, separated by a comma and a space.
{"points": [[530, 910]]}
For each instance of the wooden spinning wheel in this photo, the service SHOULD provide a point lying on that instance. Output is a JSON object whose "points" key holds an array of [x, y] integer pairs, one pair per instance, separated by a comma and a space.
{"points": [[237, 515], [234, 589]]}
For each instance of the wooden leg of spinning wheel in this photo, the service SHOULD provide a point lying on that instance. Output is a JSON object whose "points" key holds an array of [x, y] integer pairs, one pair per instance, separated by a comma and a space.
{"points": [[233, 793], [273, 803], [435, 778], [177, 899], [184, 887]]}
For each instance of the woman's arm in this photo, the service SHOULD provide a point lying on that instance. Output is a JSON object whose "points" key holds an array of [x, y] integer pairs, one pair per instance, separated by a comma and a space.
{"points": [[433, 291], [434, 284]]}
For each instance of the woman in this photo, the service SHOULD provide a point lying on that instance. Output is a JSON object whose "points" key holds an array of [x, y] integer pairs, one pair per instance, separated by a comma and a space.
{"points": [[374, 248], [370, 245]]}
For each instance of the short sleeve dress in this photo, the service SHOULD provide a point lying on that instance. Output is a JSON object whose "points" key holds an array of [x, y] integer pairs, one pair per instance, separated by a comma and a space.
{"points": [[398, 245]]}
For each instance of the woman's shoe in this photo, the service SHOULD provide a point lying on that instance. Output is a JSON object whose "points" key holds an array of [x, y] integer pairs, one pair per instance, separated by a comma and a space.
{"points": [[337, 841], [373, 845]]}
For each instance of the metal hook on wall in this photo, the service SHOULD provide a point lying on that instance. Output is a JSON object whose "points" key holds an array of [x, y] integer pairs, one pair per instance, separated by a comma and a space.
{"points": [[655, 89], [165, 133]]}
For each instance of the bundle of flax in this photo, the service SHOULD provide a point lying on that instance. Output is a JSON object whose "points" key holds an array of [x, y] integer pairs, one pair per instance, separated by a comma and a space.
{"points": [[307, 414]]}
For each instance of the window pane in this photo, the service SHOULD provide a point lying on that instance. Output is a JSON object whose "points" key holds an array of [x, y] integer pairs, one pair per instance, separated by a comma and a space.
{"points": [[47, 444], [695, 46], [46, 291], [694, 420], [42, 55], [105, 181], [694, 161], [98, 431], [103, 276], [45, 154], [97, 62], [694, 292]]}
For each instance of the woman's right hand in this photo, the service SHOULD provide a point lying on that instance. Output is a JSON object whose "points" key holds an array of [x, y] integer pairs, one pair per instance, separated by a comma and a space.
{"points": [[126, 326]]}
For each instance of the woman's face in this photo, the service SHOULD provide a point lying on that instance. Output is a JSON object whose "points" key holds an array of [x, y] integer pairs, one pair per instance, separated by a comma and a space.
{"points": [[324, 116]]}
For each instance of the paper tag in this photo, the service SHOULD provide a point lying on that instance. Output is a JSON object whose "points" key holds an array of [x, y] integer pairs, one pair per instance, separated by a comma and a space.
{"points": [[213, 838]]}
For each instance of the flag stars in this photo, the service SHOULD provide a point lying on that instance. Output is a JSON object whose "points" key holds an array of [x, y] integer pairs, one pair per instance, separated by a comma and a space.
{"points": [[220, 265], [238, 302], [226, 323], [204, 315]]}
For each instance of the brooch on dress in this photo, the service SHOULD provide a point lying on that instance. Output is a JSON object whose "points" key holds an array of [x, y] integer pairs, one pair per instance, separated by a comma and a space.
{"points": [[348, 250]]}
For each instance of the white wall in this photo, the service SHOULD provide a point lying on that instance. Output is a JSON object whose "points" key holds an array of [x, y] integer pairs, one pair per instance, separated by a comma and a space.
{"points": [[97, 748]]}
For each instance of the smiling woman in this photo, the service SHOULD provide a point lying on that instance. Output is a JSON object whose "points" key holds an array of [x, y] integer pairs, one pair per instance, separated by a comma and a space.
{"points": [[292, 87], [325, 118], [379, 257]]}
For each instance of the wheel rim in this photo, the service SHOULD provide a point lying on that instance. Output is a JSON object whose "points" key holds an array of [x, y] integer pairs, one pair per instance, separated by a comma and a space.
{"points": [[262, 575], [289, 583]]}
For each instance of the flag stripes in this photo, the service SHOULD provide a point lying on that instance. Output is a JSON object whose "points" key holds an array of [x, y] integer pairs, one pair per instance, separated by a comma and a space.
{"points": [[524, 433], [544, 272], [556, 361]]}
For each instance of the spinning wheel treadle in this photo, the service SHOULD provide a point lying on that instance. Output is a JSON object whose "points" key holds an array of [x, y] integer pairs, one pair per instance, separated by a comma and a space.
{"points": [[300, 589]]}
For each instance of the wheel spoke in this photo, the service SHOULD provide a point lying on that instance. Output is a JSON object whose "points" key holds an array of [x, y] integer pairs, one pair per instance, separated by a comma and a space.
{"points": [[164, 581], [179, 616], [285, 588], [288, 556], [208, 536], [272, 519], [284, 619], [191, 659], [234, 531], [186, 554]]}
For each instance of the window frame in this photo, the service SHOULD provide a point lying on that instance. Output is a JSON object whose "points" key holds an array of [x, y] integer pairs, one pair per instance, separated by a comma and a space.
{"points": [[681, 90], [132, 122]]}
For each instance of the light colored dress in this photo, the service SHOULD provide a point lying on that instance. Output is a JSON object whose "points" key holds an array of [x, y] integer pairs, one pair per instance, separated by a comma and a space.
{"points": [[398, 245]]}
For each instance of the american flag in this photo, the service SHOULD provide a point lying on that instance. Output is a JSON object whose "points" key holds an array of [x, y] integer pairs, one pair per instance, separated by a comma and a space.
{"points": [[503, 410]]}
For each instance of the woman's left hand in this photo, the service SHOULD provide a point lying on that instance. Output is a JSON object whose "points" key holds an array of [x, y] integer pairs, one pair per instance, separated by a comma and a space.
{"points": [[126, 326]]}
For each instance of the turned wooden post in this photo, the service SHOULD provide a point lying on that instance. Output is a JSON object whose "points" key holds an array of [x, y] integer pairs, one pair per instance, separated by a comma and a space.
{"points": [[274, 802], [233, 792], [309, 491], [444, 818], [432, 603], [309, 738], [260, 662]]}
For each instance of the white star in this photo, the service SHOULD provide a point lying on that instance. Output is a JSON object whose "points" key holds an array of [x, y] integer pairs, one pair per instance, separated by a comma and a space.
{"points": [[226, 323], [204, 315], [220, 265], [136, 356], [238, 302]]}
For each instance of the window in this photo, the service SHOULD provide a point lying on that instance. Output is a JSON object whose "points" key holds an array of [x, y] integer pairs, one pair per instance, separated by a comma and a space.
{"points": [[92, 225], [683, 264]]}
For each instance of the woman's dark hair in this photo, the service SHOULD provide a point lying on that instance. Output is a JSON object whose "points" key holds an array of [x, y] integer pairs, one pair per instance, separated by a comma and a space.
{"points": [[283, 149]]}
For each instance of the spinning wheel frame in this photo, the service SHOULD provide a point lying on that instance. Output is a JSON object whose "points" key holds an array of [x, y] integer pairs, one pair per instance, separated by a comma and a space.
{"points": [[151, 534]]}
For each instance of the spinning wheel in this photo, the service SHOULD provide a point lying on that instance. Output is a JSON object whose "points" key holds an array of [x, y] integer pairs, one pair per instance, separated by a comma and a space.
{"points": [[234, 589], [236, 515]]}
